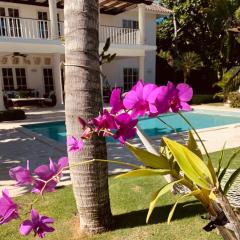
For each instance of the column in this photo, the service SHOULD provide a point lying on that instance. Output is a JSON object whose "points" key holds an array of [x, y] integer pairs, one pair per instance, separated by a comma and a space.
{"points": [[141, 67], [57, 78], [53, 19], [2, 107], [142, 23]]}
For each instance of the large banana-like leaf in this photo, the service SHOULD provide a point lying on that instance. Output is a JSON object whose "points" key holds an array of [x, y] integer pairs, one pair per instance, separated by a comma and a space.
{"points": [[220, 160], [192, 145], [149, 159], [144, 173], [158, 194], [222, 174], [193, 193], [231, 180], [192, 166]]}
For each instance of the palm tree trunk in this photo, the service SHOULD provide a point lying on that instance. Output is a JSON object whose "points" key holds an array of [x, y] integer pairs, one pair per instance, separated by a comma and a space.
{"points": [[83, 98]]}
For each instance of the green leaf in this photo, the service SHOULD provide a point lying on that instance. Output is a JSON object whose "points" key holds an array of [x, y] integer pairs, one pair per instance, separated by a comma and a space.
{"points": [[149, 159], [222, 174], [220, 160], [157, 195], [192, 166], [144, 173], [192, 145], [231, 180], [107, 45], [193, 193]]}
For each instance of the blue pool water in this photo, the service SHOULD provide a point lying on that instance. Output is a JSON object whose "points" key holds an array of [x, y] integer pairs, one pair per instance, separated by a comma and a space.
{"points": [[151, 127]]}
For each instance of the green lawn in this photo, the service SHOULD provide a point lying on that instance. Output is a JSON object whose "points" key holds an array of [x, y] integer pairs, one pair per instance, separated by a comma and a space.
{"points": [[129, 201]]}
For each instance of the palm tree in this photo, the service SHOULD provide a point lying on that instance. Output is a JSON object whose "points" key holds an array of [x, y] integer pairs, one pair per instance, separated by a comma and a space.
{"points": [[187, 62], [83, 98]]}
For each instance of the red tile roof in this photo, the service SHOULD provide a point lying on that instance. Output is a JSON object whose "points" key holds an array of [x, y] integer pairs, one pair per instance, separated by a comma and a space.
{"points": [[155, 8]]}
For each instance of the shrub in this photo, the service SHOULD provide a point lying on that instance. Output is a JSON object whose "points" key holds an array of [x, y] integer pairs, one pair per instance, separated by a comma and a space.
{"points": [[204, 98], [11, 115], [234, 99]]}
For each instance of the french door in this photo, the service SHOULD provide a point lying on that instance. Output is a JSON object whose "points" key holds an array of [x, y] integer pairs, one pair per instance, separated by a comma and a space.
{"points": [[43, 25]]}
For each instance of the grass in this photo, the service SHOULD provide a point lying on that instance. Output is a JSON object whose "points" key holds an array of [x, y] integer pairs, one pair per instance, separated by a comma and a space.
{"points": [[129, 202]]}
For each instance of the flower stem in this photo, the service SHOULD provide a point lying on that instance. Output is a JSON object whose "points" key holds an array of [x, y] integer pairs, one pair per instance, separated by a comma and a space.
{"points": [[189, 123], [172, 128]]}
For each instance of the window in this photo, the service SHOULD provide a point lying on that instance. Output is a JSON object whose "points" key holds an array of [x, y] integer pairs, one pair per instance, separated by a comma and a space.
{"points": [[130, 76], [130, 24], [43, 24], [21, 78], [48, 80], [8, 82]]}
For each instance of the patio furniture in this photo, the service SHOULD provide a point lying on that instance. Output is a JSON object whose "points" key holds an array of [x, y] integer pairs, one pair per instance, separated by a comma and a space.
{"points": [[19, 102]]}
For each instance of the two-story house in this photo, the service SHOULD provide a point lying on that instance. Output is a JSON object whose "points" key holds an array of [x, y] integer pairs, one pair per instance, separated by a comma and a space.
{"points": [[32, 51]]}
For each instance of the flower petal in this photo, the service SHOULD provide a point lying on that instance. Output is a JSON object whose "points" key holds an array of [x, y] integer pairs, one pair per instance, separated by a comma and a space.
{"points": [[26, 227], [185, 92]]}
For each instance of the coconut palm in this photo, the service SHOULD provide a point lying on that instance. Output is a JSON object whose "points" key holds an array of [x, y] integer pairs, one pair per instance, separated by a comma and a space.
{"points": [[83, 98]]}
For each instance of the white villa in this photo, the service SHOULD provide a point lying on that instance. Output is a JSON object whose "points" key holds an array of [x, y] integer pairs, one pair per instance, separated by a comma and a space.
{"points": [[31, 49]]}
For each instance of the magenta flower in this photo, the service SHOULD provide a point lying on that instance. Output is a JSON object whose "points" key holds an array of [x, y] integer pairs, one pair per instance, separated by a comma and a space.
{"points": [[116, 101], [137, 99], [8, 209], [159, 101], [179, 96], [105, 121], [87, 133], [21, 175], [170, 98], [126, 127], [74, 145], [38, 224], [82, 122], [49, 175]]}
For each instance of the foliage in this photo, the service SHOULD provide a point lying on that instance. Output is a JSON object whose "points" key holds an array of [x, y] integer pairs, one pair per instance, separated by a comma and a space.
{"points": [[203, 28], [187, 62], [234, 98], [12, 115], [204, 98], [230, 82]]}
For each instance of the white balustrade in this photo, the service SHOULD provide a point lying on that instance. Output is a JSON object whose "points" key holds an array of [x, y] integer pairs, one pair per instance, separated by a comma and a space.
{"points": [[119, 35], [40, 29], [24, 28]]}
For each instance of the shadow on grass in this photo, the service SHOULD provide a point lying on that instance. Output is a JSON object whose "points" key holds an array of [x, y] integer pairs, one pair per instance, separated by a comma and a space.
{"points": [[159, 215]]}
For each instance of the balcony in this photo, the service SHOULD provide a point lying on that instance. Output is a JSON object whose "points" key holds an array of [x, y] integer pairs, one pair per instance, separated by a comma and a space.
{"points": [[119, 35], [25, 28]]}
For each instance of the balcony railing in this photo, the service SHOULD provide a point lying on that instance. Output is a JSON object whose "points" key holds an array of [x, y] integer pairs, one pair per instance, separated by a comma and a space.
{"points": [[26, 28], [119, 35], [41, 29]]}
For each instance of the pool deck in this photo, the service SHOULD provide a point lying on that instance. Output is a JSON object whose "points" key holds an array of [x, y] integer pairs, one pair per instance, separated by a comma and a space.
{"points": [[18, 144]]}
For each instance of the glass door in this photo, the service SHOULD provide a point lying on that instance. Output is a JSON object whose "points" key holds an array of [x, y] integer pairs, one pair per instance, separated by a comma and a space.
{"points": [[14, 22], [43, 25], [3, 23]]}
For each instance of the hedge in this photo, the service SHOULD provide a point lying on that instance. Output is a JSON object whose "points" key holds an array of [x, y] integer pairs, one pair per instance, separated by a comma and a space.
{"points": [[12, 115]]}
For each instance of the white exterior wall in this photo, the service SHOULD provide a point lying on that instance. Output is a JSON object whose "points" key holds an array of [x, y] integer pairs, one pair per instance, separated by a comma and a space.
{"points": [[30, 11], [128, 55], [114, 70], [34, 72]]}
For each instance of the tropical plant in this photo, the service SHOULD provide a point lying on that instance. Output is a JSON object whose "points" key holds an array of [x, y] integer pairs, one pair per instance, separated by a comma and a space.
{"points": [[187, 62], [202, 27], [185, 165], [83, 97], [230, 82]]}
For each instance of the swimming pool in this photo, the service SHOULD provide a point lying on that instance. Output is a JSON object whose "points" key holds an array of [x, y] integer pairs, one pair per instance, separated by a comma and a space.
{"points": [[151, 127]]}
